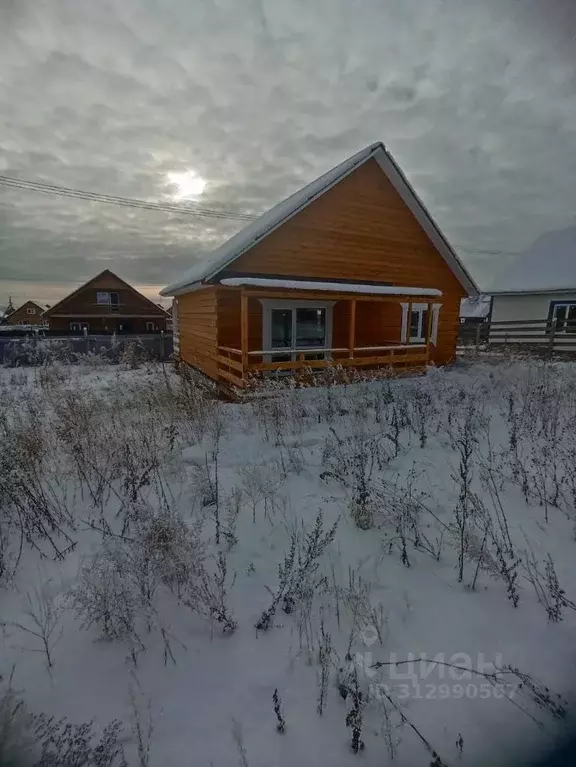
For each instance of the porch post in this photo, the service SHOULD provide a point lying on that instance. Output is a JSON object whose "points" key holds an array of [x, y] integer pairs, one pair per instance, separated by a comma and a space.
{"points": [[409, 321], [244, 331], [352, 328], [429, 321]]}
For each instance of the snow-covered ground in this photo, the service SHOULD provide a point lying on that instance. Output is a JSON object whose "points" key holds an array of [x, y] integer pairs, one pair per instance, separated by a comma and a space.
{"points": [[184, 558]]}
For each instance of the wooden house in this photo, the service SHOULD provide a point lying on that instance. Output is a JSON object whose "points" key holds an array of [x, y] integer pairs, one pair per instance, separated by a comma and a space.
{"points": [[30, 313], [351, 271], [107, 304]]}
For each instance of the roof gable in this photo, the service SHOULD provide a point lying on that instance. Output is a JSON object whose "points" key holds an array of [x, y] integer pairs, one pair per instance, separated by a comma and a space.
{"points": [[92, 284], [27, 305], [233, 248]]}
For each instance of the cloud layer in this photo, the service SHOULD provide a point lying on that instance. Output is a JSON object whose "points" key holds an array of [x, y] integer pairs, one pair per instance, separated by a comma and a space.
{"points": [[474, 99]]}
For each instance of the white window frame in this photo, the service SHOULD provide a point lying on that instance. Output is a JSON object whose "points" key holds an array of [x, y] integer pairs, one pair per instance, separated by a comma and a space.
{"points": [[150, 327], [557, 305], [30, 310], [104, 298], [268, 304], [406, 323]]}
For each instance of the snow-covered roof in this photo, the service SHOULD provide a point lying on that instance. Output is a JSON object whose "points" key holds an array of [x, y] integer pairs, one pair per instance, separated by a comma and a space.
{"points": [[338, 287], [475, 308], [223, 256], [549, 265]]}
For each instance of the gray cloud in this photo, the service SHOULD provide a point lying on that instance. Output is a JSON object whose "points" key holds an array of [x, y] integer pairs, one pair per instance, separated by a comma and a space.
{"points": [[475, 99]]}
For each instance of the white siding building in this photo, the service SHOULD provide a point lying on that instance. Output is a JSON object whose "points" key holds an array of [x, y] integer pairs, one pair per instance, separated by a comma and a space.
{"points": [[539, 289]]}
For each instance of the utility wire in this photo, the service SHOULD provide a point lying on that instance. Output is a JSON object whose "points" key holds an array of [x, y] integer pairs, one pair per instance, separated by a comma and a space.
{"points": [[195, 210], [61, 191]]}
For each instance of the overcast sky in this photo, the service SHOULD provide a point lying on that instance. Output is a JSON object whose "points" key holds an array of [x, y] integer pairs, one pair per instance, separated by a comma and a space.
{"points": [[475, 99]]}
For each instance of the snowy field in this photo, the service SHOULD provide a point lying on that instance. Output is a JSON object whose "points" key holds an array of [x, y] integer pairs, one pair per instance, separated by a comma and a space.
{"points": [[378, 573]]}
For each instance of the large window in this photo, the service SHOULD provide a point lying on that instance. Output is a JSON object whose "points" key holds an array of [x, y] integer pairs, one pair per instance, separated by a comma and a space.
{"points": [[295, 326], [564, 316]]}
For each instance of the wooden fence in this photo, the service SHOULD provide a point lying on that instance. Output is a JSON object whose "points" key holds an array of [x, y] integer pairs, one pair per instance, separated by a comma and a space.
{"points": [[544, 337]]}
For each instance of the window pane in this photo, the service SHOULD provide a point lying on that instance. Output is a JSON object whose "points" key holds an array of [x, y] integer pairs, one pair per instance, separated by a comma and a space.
{"points": [[418, 324], [102, 297], [424, 326], [281, 335], [571, 319], [414, 324], [559, 314], [310, 327]]}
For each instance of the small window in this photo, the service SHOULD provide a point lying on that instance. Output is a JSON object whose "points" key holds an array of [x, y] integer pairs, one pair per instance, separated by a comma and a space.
{"points": [[150, 327], [564, 316], [418, 324], [30, 310], [78, 327], [103, 298]]}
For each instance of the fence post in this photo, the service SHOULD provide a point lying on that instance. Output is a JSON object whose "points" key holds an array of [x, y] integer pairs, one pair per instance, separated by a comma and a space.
{"points": [[552, 338], [87, 341], [162, 345]]}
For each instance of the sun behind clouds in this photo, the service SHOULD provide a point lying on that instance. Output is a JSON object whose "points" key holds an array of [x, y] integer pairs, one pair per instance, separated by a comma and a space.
{"points": [[185, 185]]}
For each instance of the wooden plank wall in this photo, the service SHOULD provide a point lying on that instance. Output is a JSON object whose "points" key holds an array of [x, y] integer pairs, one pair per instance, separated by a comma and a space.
{"points": [[361, 230], [377, 324], [198, 317], [229, 320]]}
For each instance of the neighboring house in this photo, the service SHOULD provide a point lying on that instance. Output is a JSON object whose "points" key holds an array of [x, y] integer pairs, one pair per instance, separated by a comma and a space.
{"points": [[350, 270], [107, 304], [30, 313], [538, 289], [475, 310]]}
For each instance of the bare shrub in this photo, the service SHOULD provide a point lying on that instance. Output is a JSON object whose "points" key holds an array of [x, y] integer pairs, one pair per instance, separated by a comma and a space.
{"points": [[42, 620], [324, 659], [142, 722], [33, 497], [280, 721], [105, 596], [62, 743], [547, 587], [208, 594]]}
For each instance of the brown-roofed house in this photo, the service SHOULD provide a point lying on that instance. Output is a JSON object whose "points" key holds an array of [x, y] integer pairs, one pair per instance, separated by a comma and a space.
{"points": [[30, 313], [107, 304]]}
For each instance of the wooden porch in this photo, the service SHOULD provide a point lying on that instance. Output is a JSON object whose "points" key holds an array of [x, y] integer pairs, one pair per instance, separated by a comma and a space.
{"points": [[241, 365]]}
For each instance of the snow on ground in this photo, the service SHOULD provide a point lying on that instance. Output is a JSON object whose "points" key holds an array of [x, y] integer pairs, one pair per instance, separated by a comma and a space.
{"points": [[464, 472]]}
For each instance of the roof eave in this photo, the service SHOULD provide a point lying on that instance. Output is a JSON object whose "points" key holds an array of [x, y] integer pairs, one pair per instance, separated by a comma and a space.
{"points": [[531, 291]]}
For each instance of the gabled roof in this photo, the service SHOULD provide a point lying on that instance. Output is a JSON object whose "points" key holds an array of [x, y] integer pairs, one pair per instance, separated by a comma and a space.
{"points": [[222, 257], [53, 309], [28, 303], [548, 266]]}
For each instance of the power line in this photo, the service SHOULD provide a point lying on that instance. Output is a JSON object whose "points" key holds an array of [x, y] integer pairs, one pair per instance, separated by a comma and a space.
{"points": [[62, 191], [195, 210]]}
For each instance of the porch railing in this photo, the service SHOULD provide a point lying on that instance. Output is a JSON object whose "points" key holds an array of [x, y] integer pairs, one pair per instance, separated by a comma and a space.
{"points": [[235, 367]]}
